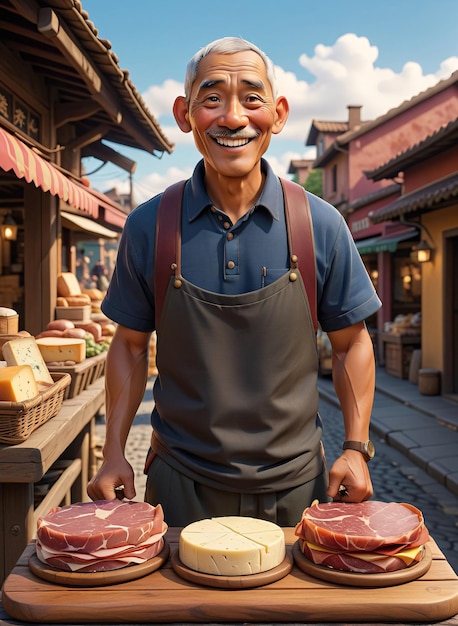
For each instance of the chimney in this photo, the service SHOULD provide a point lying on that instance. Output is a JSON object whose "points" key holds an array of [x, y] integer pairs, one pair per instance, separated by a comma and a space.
{"points": [[354, 115]]}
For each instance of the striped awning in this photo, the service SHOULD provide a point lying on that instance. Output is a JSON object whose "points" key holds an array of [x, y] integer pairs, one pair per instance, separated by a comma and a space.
{"points": [[87, 226], [385, 243], [17, 156]]}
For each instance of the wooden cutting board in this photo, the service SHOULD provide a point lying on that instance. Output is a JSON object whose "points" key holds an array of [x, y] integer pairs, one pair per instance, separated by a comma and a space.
{"points": [[388, 579], [164, 597], [232, 582], [98, 579]]}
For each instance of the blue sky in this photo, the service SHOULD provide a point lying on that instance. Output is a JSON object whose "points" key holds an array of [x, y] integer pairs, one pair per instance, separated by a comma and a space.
{"points": [[328, 54]]}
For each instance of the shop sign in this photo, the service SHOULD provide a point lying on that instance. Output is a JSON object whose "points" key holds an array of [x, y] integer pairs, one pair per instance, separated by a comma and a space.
{"points": [[19, 114]]}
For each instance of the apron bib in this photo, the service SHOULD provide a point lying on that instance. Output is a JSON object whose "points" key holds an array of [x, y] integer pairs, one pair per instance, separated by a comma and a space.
{"points": [[236, 399]]}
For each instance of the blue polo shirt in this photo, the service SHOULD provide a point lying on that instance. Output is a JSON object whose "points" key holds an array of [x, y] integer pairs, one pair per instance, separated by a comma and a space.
{"points": [[228, 258]]}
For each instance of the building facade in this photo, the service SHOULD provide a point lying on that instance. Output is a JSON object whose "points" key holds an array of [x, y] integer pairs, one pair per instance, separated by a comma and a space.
{"points": [[394, 180]]}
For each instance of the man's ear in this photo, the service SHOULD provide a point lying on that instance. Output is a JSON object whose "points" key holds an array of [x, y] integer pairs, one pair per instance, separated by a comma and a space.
{"points": [[180, 111], [282, 112]]}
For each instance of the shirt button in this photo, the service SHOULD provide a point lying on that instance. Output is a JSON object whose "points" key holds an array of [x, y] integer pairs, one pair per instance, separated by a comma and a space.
{"points": [[220, 217], [231, 265], [230, 236], [226, 225]]}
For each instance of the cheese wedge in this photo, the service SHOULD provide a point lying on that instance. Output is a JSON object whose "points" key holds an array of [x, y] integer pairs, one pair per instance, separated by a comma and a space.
{"points": [[62, 349], [232, 546], [25, 351], [17, 384]]}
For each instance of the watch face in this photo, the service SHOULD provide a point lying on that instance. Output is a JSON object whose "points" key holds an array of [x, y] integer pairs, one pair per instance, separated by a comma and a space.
{"points": [[370, 449]]}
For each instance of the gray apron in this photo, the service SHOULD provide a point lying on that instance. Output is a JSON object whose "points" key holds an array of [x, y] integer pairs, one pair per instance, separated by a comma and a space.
{"points": [[236, 402]]}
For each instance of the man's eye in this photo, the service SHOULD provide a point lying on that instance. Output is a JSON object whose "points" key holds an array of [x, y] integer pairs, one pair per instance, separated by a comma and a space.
{"points": [[254, 98]]}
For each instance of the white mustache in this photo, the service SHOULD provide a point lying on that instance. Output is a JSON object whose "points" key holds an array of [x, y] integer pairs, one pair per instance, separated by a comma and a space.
{"points": [[229, 134]]}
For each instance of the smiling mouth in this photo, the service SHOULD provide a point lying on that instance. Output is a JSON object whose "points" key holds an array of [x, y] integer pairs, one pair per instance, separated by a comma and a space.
{"points": [[229, 142]]}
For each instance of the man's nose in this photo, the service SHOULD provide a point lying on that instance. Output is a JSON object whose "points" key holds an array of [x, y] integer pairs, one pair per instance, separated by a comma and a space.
{"points": [[234, 115]]}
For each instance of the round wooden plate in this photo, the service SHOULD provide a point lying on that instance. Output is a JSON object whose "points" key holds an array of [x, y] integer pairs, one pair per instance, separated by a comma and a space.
{"points": [[232, 582], [98, 579], [355, 579]]}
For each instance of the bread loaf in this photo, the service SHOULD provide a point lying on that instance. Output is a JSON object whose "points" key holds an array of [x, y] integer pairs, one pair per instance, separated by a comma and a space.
{"points": [[68, 285], [80, 300]]}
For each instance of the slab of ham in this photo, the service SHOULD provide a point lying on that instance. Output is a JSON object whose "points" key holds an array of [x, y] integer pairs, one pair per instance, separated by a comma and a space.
{"points": [[369, 537], [101, 535]]}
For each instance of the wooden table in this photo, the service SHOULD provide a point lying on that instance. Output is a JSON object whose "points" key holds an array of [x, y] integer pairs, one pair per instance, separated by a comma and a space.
{"points": [[65, 436], [163, 597]]}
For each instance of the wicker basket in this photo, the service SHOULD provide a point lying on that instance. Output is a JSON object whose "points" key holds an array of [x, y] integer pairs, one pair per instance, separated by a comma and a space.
{"points": [[19, 419], [82, 374]]}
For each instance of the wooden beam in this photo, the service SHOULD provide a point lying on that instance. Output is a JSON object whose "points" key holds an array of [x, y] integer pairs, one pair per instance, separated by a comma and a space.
{"points": [[105, 153], [51, 27], [92, 135], [27, 8], [65, 112]]}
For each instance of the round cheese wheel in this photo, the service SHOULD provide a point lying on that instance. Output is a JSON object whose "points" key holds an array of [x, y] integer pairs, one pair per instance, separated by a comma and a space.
{"points": [[232, 546]]}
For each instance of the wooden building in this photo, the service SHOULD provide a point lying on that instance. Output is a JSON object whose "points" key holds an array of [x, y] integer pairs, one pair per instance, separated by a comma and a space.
{"points": [[63, 96]]}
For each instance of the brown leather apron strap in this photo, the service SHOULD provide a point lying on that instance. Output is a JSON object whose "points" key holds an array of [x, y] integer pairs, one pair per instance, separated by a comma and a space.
{"points": [[301, 240], [168, 243]]}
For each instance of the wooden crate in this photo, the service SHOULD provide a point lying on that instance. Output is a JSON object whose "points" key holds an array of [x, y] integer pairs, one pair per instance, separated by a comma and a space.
{"points": [[74, 313], [82, 374], [397, 359]]}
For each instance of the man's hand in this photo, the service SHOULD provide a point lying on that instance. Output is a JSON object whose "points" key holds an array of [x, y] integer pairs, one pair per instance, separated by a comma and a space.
{"points": [[112, 474], [350, 470]]}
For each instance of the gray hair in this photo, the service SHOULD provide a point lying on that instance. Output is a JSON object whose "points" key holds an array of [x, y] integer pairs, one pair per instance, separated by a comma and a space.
{"points": [[227, 45]]}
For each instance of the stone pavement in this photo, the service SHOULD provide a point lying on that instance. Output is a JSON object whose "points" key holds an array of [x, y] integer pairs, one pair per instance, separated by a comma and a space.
{"points": [[424, 428]]}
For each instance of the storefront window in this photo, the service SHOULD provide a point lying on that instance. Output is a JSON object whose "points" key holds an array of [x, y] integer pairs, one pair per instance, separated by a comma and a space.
{"points": [[406, 283]]}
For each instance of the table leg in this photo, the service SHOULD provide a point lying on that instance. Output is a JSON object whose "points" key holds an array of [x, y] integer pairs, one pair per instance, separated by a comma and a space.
{"points": [[16, 525]]}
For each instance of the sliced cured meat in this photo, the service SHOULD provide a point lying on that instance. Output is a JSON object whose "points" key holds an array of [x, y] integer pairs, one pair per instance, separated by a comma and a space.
{"points": [[362, 562], [369, 537], [100, 535], [344, 526], [91, 526], [100, 561]]}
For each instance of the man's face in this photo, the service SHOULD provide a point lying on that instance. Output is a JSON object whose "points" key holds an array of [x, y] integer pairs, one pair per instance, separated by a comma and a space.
{"points": [[232, 112]]}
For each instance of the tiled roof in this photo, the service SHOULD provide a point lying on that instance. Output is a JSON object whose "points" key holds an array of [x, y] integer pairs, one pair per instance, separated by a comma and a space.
{"points": [[375, 196], [297, 164], [446, 137], [20, 32], [322, 126], [438, 195]]}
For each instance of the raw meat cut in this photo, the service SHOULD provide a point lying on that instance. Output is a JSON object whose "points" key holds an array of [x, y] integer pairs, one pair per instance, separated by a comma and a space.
{"points": [[100, 535], [366, 537]]}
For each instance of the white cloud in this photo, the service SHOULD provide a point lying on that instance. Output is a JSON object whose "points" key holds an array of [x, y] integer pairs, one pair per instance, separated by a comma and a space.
{"points": [[345, 73], [155, 183], [160, 98]]}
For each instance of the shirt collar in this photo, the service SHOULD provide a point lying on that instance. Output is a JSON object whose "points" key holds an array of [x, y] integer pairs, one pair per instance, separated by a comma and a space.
{"points": [[197, 200]]}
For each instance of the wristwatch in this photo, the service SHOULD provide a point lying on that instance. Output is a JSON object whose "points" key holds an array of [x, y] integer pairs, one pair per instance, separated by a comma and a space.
{"points": [[366, 448]]}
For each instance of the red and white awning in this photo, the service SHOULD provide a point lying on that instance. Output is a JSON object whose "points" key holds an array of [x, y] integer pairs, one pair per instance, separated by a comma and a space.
{"points": [[17, 156]]}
